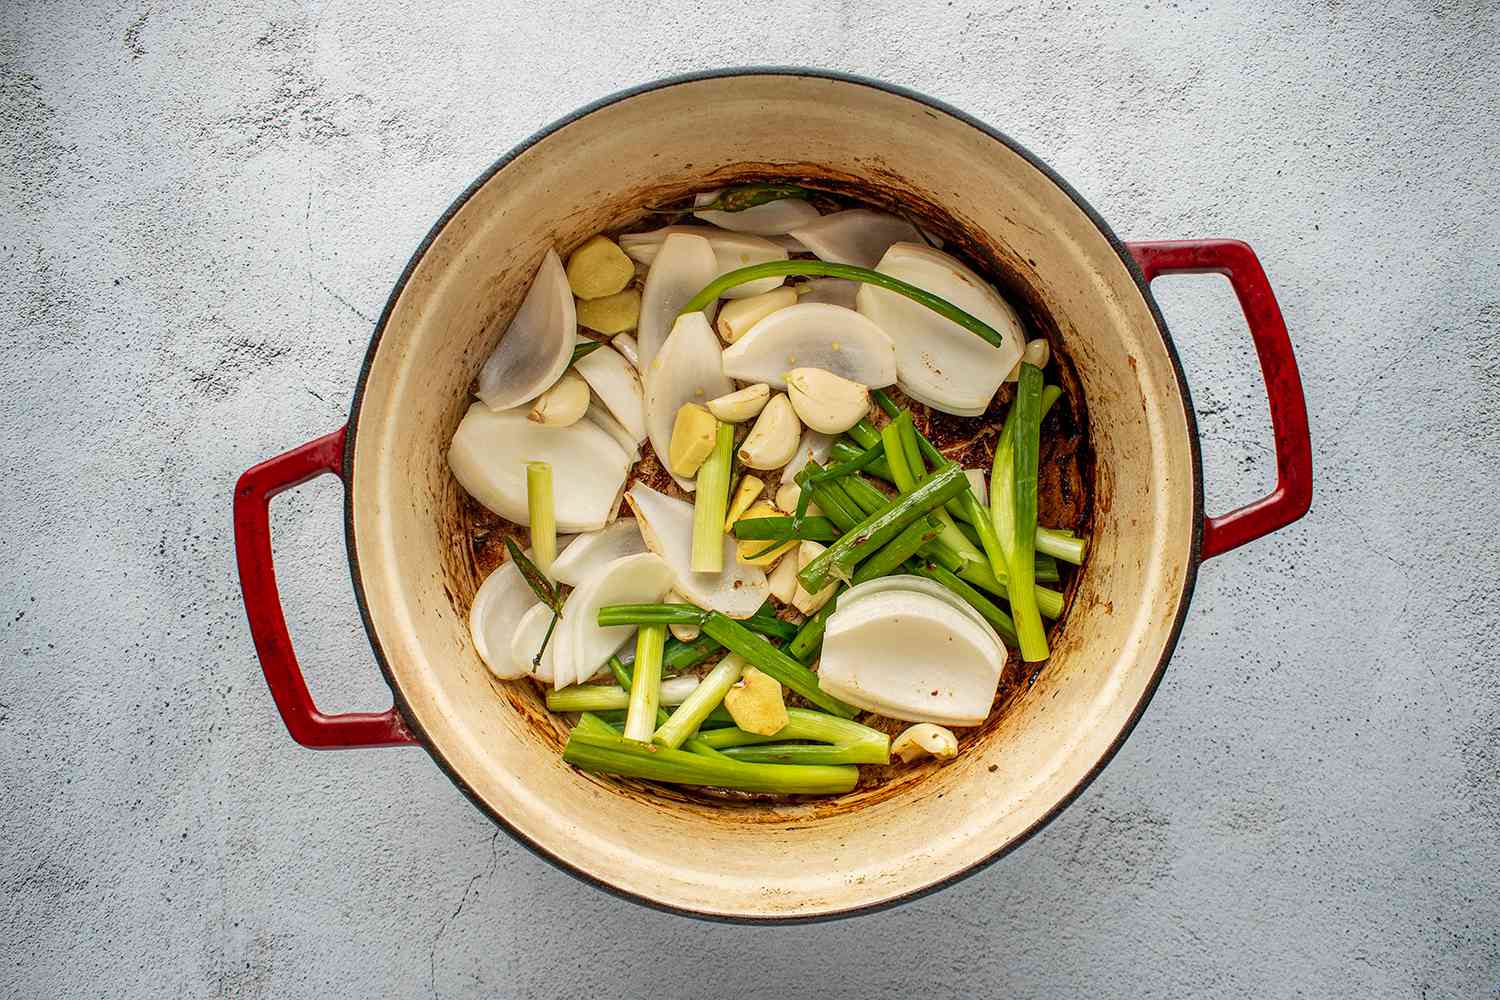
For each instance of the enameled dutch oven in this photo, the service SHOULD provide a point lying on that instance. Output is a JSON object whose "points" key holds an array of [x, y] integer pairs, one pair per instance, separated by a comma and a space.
{"points": [[414, 572]]}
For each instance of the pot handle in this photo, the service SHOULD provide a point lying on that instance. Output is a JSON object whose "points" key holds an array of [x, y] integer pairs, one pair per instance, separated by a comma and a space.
{"points": [[252, 544], [1293, 493]]}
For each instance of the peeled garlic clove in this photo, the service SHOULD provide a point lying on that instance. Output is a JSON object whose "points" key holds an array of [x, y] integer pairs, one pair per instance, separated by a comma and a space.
{"points": [[801, 600], [940, 363], [756, 704], [737, 317], [770, 219], [599, 268], [612, 314], [687, 370], [618, 385], [626, 345], [828, 403], [783, 579], [500, 604], [745, 494], [741, 405], [859, 236], [563, 404], [814, 335], [537, 344], [693, 435], [490, 450], [834, 291], [773, 439], [683, 633], [922, 740], [788, 496], [1038, 352], [753, 551], [683, 266]]}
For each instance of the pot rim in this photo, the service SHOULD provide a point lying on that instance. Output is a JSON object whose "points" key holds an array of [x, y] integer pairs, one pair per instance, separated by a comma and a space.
{"points": [[1190, 576]]}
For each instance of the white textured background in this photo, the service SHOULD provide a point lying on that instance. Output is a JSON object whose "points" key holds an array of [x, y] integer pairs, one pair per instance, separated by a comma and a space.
{"points": [[202, 210]]}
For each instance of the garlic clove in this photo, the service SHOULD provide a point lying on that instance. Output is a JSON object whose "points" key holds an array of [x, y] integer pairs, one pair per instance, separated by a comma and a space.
{"points": [[683, 633], [773, 439], [783, 579], [563, 404], [925, 739], [801, 600], [741, 405], [737, 317], [828, 403]]}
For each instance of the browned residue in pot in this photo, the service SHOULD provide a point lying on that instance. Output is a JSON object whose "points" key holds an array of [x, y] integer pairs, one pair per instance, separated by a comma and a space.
{"points": [[1068, 488]]}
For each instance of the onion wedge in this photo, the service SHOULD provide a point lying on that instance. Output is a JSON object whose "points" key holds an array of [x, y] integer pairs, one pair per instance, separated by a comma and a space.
{"points": [[738, 590], [535, 349], [615, 381], [859, 236], [814, 335], [682, 267], [908, 655], [731, 251], [499, 605], [643, 578], [687, 369], [770, 219], [530, 632], [940, 363], [591, 551], [490, 450]]}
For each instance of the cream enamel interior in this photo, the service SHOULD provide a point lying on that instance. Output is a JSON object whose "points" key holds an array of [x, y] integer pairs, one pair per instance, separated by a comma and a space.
{"points": [[822, 857]]}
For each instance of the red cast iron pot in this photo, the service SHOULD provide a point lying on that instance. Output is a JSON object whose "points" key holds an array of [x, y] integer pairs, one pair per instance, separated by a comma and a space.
{"points": [[408, 534]]}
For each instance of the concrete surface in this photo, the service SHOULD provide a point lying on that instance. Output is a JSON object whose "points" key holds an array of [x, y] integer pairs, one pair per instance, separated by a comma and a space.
{"points": [[202, 212]]}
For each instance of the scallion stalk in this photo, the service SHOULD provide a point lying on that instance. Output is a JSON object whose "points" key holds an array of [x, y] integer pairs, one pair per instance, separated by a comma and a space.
{"points": [[614, 755], [1068, 548], [998, 619], [805, 753], [1021, 550], [864, 539], [710, 500], [737, 639], [645, 688], [817, 268], [705, 698], [543, 515], [806, 724], [899, 549], [809, 638], [812, 529]]}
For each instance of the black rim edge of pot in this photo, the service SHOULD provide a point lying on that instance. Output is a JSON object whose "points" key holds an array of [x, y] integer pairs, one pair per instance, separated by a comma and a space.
{"points": [[1189, 581]]}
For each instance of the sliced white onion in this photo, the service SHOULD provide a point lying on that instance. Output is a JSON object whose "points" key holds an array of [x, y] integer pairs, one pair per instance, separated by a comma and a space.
{"points": [[940, 363], [858, 236], [639, 579], [667, 525], [535, 349], [912, 656], [594, 549], [770, 219], [598, 414], [499, 605], [686, 370], [788, 243], [528, 638], [731, 251], [617, 383], [813, 335], [625, 344], [814, 447], [683, 266], [920, 585], [490, 450], [834, 291]]}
